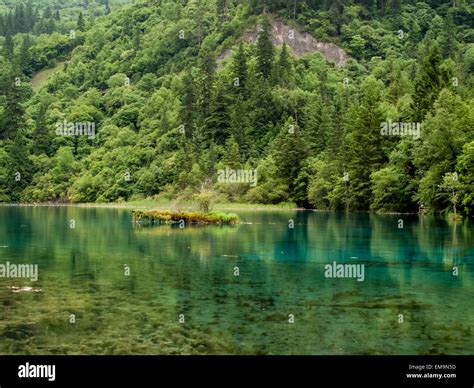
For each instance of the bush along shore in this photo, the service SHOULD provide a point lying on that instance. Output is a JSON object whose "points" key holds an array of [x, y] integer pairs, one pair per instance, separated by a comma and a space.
{"points": [[196, 218]]}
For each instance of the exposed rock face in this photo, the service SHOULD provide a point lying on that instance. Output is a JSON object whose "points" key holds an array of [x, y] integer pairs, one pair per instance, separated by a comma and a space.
{"points": [[300, 43]]}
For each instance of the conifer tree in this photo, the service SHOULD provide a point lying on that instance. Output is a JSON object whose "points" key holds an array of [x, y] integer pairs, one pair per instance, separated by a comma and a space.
{"points": [[265, 50], [9, 47], [24, 56], [364, 142], [289, 151], [107, 7], [222, 9], [47, 14], [448, 36], [431, 79], [207, 67], [284, 71], [41, 137], [232, 154], [240, 69], [81, 26], [15, 119], [19, 167]]}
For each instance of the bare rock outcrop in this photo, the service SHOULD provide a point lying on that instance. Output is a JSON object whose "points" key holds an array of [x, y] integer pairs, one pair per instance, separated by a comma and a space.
{"points": [[300, 43]]}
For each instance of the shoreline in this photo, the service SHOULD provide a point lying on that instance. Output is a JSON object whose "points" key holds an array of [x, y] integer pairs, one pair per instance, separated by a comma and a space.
{"points": [[159, 205], [140, 205]]}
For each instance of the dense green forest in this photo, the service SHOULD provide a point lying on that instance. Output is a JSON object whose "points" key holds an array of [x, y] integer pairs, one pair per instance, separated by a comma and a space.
{"points": [[44, 18], [157, 98]]}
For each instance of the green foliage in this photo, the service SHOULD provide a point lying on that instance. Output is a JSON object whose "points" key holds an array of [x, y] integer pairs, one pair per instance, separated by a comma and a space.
{"points": [[81, 25], [204, 199], [465, 166], [326, 189], [429, 83], [168, 217], [265, 50], [391, 190], [177, 91], [364, 143]]}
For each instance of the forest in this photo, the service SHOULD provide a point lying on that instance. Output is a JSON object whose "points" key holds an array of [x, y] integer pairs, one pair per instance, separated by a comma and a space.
{"points": [[154, 99]]}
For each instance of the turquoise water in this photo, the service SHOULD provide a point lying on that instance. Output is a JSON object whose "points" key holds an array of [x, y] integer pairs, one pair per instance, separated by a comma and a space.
{"points": [[181, 295]]}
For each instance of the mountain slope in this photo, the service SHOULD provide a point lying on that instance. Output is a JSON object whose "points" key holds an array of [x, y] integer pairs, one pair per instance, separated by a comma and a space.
{"points": [[158, 117]]}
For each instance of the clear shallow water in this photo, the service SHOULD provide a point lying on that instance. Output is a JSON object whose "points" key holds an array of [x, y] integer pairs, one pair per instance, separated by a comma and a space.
{"points": [[190, 271]]}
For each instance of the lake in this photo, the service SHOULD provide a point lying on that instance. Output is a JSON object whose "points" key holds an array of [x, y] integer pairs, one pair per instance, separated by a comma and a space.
{"points": [[108, 286]]}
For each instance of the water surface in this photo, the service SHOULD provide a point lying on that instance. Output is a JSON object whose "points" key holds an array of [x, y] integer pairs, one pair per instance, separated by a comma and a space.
{"points": [[409, 302]]}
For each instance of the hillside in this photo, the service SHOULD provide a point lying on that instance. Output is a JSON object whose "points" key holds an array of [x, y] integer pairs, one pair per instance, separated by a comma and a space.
{"points": [[40, 78], [362, 108]]}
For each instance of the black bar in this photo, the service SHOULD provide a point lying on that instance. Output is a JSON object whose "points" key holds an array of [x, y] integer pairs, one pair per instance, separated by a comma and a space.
{"points": [[294, 371]]}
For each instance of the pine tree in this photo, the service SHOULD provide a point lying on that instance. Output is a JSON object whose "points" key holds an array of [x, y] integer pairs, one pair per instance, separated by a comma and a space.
{"points": [[19, 167], [265, 50], [14, 120], [81, 26], [222, 9], [284, 69], [262, 115], [239, 125], [24, 57], [29, 17], [10, 24], [319, 124], [16, 22], [42, 138], [431, 79], [198, 14], [136, 39], [398, 81], [35, 20], [336, 12], [50, 26], [448, 36], [107, 7], [395, 6], [9, 47], [240, 69], [364, 143], [19, 17], [188, 101], [207, 68], [47, 14], [289, 150], [257, 6], [232, 154], [219, 117]]}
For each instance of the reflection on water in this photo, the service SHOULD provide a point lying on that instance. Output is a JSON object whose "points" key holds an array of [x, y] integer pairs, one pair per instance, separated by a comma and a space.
{"points": [[189, 274]]}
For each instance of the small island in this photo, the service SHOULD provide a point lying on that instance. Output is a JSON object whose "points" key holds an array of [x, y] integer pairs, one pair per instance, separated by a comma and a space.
{"points": [[196, 218]]}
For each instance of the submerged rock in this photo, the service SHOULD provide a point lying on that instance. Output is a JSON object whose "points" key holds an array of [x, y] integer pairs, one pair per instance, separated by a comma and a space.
{"points": [[24, 289], [20, 331]]}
